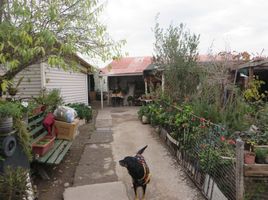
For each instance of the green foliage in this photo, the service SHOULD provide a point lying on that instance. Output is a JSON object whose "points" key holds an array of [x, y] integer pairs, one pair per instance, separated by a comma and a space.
{"points": [[255, 138], [13, 184], [222, 105], [176, 52], [144, 110], [253, 94], [12, 88], [9, 109], [34, 31], [261, 118], [236, 115], [83, 111], [50, 99], [256, 190], [211, 155], [261, 153], [130, 98], [23, 136]]}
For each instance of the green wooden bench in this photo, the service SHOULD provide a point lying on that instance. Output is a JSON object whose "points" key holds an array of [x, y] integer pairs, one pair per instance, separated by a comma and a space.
{"points": [[55, 155]]}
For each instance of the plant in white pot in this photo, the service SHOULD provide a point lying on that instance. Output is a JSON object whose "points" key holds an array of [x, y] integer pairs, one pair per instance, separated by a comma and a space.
{"points": [[8, 110]]}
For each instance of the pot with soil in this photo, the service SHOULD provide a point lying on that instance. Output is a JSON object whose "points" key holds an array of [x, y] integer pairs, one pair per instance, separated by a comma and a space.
{"points": [[249, 157], [6, 125], [8, 110], [261, 154]]}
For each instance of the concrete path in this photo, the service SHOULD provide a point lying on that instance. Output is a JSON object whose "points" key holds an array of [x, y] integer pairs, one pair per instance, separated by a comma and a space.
{"points": [[104, 191], [168, 181], [119, 133]]}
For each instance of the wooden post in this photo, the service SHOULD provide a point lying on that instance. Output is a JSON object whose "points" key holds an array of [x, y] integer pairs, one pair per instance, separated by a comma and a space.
{"points": [[251, 74], [101, 87], [163, 82], [146, 86], [239, 172], [108, 91]]}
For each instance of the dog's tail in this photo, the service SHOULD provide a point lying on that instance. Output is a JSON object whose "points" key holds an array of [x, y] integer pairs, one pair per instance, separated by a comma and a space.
{"points": [[142, 150]]}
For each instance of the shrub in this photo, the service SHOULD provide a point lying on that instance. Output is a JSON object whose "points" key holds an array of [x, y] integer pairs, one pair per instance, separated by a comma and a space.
{"points": [[83, 111], [13, 184], [9, 109], [50, 99]]}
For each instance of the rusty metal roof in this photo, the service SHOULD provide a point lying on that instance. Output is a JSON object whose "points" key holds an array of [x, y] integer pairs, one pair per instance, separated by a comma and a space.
{"points": [[127, 66]]}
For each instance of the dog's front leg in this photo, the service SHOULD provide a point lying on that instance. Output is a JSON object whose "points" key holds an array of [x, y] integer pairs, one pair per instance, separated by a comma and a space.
{"points": [[135, 191], [144, 190]]}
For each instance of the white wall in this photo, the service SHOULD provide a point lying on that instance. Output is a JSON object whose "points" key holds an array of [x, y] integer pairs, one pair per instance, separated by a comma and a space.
{"points": [[97, 83], [73, 85], [31, 83]]}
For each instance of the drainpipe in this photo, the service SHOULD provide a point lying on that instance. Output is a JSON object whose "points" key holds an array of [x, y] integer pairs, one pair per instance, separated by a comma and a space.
{"points": [[101, 83]]}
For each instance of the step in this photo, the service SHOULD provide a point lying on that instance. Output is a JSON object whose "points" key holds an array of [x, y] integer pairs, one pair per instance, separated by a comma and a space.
{"points": [[102, 191]]}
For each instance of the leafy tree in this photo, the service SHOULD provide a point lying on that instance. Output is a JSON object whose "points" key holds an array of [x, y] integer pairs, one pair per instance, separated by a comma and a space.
{"points": [[33, 31], [176, 51]]}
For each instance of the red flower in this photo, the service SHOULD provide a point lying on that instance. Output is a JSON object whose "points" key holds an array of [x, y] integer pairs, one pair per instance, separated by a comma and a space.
{"points": [[231, 142], [202, 119], [222, 138], [203, 126], [193, 119]]}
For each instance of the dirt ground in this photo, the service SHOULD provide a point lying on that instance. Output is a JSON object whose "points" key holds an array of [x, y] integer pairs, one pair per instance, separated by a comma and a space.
{"points": [[62, 175]]}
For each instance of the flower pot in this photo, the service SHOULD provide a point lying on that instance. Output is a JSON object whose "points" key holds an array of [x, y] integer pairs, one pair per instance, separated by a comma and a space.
{"points": [[249, 157], [261, 154], [42, 146], [144, 119], [6, 125]]}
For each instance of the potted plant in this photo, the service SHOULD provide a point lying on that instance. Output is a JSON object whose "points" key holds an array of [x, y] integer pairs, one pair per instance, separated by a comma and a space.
{"points": [[48, 100], [8, 110], [261, 155], [249, 157], [12, 88], [42, 146], [130, 100]]}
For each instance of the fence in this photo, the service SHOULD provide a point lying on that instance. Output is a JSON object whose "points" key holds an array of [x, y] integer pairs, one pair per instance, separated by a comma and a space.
{"points": [[209, 155]]}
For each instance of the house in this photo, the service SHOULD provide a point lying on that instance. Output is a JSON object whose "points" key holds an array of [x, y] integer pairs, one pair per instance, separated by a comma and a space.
{"points": [[245, 72], [125, 75], [73, 84]]}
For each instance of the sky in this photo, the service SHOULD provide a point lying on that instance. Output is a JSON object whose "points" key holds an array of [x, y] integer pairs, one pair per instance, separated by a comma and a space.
{"points": [[232, 25]]}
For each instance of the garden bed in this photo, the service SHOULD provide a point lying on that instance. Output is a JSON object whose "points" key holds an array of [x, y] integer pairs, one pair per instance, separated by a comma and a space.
{"points": [[256, 170]]}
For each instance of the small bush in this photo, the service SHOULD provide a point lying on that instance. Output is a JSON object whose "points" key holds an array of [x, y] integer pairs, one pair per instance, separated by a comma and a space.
{"points": [[13, 184], [83, 111]]}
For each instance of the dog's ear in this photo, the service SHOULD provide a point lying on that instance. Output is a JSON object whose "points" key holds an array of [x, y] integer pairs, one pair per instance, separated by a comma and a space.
{"points": [[142, 150]]}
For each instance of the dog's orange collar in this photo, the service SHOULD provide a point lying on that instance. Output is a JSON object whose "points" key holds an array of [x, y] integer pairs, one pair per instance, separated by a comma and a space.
{"points": [[147, 175]]}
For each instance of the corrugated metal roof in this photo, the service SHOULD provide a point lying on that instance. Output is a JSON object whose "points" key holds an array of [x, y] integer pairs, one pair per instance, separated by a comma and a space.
{"points": [[127, 66]]}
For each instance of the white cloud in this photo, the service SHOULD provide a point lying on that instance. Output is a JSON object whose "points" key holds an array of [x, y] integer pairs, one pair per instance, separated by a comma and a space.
{"points": [[236, 24]]}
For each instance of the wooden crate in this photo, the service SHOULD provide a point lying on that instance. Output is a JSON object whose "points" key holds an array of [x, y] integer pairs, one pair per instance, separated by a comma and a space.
{"points": [[66, 131]]}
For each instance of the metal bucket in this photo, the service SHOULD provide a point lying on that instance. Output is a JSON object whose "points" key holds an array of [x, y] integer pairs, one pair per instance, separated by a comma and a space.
{"points": [[6, 125]]}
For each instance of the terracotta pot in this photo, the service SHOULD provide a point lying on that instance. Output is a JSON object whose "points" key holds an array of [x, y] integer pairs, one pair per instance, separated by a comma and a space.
{"points": [[249, 157]]}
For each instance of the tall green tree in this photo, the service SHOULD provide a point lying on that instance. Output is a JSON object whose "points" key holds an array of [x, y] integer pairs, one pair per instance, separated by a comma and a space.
{"points": [[33, 31], [176, 52]]}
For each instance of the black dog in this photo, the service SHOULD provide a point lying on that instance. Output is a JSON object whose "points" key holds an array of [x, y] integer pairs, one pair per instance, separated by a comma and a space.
{"points": [[138, 170]]}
